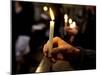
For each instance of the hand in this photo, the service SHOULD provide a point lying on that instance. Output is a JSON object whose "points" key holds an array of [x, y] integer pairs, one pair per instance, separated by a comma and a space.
{"points": [[60, 49]]}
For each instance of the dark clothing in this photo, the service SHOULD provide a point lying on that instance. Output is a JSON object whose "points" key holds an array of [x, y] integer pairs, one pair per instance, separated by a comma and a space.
{"points": [[86, 60]]}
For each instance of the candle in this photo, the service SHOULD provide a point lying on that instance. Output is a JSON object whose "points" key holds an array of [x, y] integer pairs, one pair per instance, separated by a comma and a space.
{"points": [[51, 30], [45, 64], [51, 35]]}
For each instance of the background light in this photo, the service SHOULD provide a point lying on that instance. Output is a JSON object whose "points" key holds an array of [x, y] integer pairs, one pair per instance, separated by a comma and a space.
{"points": [[45, 8]]}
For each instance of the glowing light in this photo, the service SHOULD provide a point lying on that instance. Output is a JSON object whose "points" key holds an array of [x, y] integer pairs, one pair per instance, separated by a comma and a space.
{"points": [[51, 14], [66, 18], [70, 21], [45, 8], [73, 25]]}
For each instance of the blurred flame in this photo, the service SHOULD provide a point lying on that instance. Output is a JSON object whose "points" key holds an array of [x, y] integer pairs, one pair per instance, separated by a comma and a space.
{"points": [[65, 17], [45, 8], [51, 14], [73, 25], [70, 21]]}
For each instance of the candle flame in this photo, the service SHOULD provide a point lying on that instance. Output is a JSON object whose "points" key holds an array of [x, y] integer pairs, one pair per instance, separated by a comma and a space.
{"points": [[73, 25], [65, 17], [70, 21], [51, 14]]}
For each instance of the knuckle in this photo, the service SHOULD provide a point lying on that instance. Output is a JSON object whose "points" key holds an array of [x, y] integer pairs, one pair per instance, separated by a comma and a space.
{"points": [[57, 37]]}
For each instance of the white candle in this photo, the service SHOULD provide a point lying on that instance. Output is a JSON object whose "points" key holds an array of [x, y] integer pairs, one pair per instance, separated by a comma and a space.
{"points": [[45, 64], [51, 30], [51, 35]]}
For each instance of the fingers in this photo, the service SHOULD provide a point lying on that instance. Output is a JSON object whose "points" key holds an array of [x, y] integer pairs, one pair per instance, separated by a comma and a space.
{"points": [[59, 56], [57, 50], [45, 49], [60, 51], [56, 54]]}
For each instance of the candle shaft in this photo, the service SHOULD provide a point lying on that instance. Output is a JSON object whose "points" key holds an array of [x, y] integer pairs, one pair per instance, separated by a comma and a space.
{"points": [[44, 66], [51, 35]]}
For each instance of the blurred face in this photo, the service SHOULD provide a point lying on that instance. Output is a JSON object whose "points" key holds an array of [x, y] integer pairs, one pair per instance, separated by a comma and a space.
{"points": [[18, 7], [71, 31]]}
